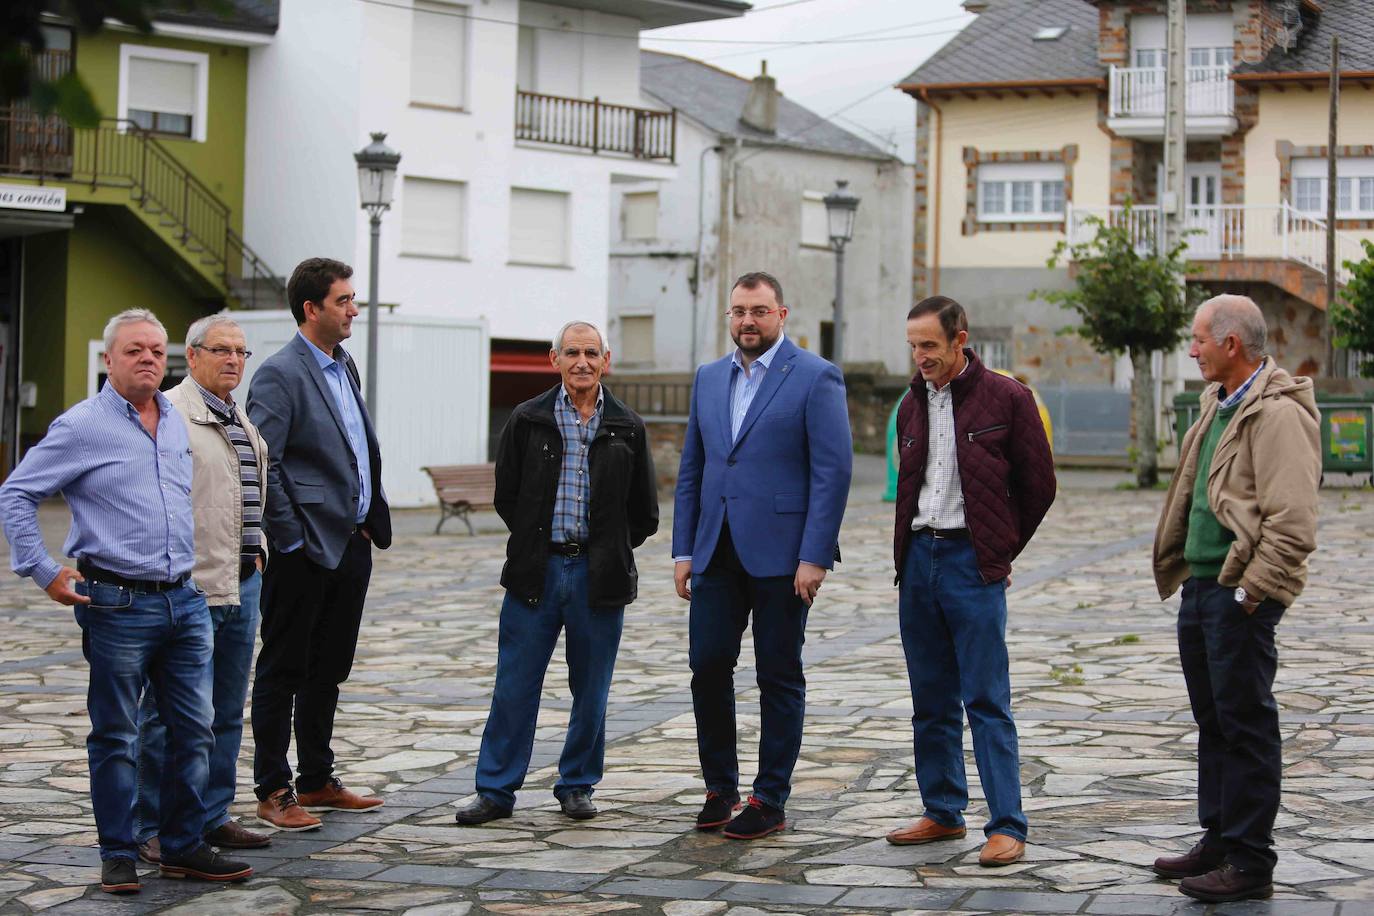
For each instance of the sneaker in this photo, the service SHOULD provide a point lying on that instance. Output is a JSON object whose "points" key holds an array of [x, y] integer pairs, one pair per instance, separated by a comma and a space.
{"points": [[718, 810], [334, 797], [756, 820], [206, 864], [1196, 861], [233, 835], [151, 851], [281, 810], [578, 805], [118, 876], [1228, 883]]}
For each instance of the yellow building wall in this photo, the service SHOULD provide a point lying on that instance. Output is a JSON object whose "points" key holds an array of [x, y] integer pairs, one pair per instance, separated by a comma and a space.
{"points": [[1011, 124], [1300, 117]]}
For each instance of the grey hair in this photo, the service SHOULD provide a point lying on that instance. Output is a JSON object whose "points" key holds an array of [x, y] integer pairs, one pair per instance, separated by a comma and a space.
{"points": [[129, 316], [558, 338], [1238, 316], [200, 328]]}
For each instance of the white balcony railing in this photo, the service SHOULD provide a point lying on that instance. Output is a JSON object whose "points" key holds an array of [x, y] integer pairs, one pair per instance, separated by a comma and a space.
{"points": [[1228, 231], [1139, 92]]}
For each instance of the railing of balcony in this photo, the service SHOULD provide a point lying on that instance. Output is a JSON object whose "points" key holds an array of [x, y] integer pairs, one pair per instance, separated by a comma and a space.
{"points": [[596, 125], [1227, 231], [1141, 91], [120, 154]]}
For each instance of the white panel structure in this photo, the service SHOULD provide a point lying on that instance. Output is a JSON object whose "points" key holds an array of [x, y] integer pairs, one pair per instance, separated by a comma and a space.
{"points": [[439, 55], [538, 227], [432, 392], [434, 218]]}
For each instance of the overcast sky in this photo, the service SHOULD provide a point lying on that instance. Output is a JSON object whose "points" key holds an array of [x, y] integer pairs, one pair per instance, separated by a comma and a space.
{"points": [[853, 49]]}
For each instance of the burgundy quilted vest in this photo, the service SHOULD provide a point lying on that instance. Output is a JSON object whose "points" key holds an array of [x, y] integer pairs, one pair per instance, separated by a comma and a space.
{"points": [[1006, 468]]}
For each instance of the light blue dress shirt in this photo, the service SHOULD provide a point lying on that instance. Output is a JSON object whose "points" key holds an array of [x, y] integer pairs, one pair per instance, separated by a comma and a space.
{"points": [[336, 374], [129, 495], [745, 384]]}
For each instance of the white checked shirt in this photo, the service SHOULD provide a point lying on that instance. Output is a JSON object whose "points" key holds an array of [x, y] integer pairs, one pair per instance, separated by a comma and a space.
{"points": [[941, 503]]}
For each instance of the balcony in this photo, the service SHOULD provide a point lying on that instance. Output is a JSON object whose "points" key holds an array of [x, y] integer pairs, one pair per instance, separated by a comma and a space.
{"points": [[596, 126], [1137, 96]]}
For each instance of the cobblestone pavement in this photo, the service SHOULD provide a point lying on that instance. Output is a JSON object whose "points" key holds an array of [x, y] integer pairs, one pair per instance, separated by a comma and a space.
{"points": [[1107, 747]]}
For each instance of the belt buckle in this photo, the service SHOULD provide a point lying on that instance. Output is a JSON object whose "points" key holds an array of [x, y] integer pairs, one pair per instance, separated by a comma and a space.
{"points": [[574, 549]]}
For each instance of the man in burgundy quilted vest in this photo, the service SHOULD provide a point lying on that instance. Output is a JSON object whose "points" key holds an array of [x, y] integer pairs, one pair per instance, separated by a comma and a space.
{"points": [[975, 479]]}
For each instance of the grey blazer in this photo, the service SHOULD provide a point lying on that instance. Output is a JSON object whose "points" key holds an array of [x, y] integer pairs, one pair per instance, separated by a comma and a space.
{"points": [[312, 477]]}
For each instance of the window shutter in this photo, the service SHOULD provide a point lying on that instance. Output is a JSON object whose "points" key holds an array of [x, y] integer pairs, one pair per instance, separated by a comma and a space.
{"points": [[538, 226], [433, 218], [163, 86], [438, 54]]}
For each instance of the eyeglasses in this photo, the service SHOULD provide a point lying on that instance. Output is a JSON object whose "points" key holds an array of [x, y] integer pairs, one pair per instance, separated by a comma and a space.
{"points": [[223, 352], [737, 313]]}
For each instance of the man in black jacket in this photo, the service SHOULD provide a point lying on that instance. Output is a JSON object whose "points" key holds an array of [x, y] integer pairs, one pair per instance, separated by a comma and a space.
{"points": [[575, 485]]}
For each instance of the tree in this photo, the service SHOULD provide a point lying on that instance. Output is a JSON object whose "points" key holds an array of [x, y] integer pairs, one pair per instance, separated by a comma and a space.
{"points": [[1353, 315], [1130, 298], [21, 40]]}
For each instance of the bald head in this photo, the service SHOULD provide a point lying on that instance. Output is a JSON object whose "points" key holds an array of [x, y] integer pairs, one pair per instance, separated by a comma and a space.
{"points": [[1236, 316]]}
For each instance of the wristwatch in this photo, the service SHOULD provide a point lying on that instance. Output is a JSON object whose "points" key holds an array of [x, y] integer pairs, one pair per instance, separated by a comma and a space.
{"points": [[1243, 598]]}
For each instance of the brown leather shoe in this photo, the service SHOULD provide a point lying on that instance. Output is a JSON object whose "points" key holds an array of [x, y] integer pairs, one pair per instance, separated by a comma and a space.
{"points": [[334, 797], [1001, 850], [1228, 883], [1195, 862], [924, 830], [233, 835], [151, 851], [281, 810]]}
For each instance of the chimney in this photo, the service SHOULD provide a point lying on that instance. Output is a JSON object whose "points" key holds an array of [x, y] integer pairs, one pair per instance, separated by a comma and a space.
{"points": [[974, 6], [761, 108]]}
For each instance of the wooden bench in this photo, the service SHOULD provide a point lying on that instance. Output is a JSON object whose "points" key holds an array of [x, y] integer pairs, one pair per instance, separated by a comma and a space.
{"points": [[462, 489]]}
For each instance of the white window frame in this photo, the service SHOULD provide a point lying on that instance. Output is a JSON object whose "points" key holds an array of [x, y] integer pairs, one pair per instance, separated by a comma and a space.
{"points": [[1008, 175], [1352, 172], [813, 198], [201, 116], [461, 11]]}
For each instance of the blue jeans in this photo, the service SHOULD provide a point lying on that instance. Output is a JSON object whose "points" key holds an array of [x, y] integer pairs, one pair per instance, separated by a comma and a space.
{"points": [[235, 629], [527, 638], [164, 640], [954, 633]]}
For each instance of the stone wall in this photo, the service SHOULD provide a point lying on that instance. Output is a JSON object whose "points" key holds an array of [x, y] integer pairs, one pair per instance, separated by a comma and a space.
{"points": [[872, 393], [665, 444]]}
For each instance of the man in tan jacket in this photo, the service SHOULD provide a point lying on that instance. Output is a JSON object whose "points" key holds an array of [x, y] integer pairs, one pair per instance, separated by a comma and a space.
{"points": [[1238, 524], [229, 466]]}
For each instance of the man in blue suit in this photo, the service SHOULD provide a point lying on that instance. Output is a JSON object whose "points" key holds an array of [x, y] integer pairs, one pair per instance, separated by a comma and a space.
{"points": [[760, 495]]}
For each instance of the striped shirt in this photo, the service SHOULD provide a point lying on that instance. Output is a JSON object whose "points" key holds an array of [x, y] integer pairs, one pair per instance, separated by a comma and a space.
{"points": [[1231, 400], [250, 488], [574, 496], [941, 503], [745, 383], [129, 495]]}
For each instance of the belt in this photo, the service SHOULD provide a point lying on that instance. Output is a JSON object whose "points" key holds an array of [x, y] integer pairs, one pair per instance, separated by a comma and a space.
{"points": [[93, 573], [246, 569], [945, 534], [568, 548]]}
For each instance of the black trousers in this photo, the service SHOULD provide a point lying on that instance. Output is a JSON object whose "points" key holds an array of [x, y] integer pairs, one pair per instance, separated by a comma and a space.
{"points": [[310, 619], [1229, 662]]}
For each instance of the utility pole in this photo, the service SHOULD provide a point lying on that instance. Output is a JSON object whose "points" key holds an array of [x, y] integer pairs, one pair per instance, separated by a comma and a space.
{"points": [[1335, 96], [1175, 134]]}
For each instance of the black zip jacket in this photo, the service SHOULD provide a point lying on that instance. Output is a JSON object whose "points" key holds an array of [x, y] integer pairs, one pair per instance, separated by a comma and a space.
{"points": [[624, 498]]}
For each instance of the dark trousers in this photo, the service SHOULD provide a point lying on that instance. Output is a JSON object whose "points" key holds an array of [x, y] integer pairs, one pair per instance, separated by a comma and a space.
{"points": [[1229, 662], [722, 599], [310, 619]]}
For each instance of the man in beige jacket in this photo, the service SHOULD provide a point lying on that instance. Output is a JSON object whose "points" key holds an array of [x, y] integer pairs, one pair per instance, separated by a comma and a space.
{"points": [[229, 467], [1238, 524]]}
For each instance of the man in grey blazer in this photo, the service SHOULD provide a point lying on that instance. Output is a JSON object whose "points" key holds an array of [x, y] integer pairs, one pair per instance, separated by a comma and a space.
{"points": [[325, 511]]}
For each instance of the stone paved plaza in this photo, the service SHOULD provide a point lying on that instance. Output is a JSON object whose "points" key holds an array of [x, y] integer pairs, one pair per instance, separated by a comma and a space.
{"points": [[1107, 746]]}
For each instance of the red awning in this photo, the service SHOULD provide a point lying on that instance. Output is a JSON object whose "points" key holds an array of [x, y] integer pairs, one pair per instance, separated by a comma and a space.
{"points": [[516, 361]]}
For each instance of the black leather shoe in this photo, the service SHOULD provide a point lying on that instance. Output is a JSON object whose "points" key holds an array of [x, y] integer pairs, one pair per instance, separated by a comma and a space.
{"points": [[756, 820], [578, 805], [118, 876], [1228, 883], [480, 812], [718, 810], [1196, 861], [204, 863]]}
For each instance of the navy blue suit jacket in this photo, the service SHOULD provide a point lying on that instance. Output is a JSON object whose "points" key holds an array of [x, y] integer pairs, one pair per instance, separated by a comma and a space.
{"points": [[783, 483]]}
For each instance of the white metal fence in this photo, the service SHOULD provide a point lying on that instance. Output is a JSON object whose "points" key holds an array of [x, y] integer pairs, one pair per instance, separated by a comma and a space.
{"points": [[1141, 91]]}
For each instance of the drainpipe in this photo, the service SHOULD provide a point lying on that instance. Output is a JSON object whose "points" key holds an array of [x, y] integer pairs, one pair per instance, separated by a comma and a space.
{"points": [[728, 178], [701, 240], [934, 184]]}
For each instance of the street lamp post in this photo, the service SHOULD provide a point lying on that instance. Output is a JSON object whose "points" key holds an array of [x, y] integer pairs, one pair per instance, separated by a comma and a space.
{"points": [[376, 186], [840, 205]]}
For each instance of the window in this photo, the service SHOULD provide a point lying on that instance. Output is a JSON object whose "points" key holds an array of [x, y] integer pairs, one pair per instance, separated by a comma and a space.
{"points": [[1050, 33], [539, 227], [639, 215], [434, 218], [1354, 186], [1149, 58], [438, 54], [636, 339], [995, 354], [164, 91], [1025, 191], [815, 224], [524, 59]]}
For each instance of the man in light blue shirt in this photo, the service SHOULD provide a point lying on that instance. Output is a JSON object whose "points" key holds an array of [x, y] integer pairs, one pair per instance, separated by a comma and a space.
{"points": [[122, 460]]}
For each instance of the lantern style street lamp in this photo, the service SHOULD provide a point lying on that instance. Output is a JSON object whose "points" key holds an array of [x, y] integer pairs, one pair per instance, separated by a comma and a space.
{"points": [[840, 205], [376, 187]]}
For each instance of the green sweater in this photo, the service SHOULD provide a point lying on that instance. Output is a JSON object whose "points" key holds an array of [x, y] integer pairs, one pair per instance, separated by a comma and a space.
{"points": [[1208, 540]]}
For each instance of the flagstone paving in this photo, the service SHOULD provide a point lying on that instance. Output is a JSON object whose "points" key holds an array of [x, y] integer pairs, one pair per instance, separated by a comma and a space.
{"points": [[1107, 747]]}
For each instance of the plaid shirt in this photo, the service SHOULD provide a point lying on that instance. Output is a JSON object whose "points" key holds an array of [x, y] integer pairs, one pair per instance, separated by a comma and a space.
{"points": [[1231, 400], [574, 486], [941, 501]]}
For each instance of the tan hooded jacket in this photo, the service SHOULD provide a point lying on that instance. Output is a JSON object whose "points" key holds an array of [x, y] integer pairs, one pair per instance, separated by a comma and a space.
{"points": [[1262, 486]]}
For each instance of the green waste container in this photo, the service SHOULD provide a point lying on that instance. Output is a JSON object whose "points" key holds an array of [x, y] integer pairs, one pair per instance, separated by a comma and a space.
{"points": [[1347, 430]]}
